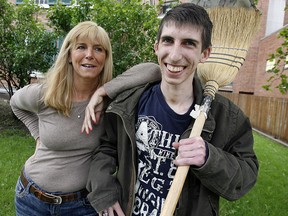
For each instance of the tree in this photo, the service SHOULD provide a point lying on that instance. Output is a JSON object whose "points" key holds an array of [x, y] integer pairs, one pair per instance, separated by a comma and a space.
{"points": [[26, 45], [278, 69], [6, 18], [131, 25]]}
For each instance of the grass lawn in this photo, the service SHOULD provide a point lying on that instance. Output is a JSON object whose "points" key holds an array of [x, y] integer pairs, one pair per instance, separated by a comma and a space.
{"points": [[16, 146], [267, 198]]}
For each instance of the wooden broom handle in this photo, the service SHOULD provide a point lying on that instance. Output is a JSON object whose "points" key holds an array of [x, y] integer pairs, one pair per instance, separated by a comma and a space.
{"points": [[181, 173]]}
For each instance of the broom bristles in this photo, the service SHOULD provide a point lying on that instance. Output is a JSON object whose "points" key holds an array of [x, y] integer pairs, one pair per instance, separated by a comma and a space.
{"points": [[233, 31]]}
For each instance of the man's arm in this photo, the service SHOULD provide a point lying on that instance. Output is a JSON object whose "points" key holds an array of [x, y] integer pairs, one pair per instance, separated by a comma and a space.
{"points": [[102, 182], [137, 75], [232, 171]]}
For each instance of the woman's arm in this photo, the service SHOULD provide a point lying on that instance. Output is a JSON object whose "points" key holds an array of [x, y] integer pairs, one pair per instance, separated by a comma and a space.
{"points": [[24, 103]]}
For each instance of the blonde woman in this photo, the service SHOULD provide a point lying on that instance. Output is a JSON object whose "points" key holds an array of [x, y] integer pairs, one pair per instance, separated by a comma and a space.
{"points": [[53, 180]]}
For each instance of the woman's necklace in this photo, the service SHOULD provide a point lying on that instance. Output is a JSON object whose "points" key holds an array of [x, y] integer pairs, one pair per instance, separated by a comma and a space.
{"points": [[78, 109], [79, 114]]}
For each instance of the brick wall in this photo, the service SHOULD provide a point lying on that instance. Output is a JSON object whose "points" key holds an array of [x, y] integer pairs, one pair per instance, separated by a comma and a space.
{"points": [[245, 80], [252, 76], [267, 45], [246, 77]]}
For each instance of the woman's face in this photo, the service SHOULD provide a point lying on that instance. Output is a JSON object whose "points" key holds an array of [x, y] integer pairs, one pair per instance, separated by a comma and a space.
{"points": [[88, 59]]}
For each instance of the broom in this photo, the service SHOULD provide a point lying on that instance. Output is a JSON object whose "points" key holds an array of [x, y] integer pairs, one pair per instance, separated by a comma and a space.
{"points": [[234, 28]]}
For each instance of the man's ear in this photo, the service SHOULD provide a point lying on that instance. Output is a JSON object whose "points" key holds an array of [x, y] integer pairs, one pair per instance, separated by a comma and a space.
{"points": [[205, 54], [156, 47]]}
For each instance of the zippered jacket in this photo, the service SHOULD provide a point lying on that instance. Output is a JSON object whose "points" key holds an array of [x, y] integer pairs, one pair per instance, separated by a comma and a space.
{"points": [[230, 170]]}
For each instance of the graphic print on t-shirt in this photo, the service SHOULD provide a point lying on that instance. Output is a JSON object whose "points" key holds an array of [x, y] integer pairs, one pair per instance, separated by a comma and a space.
{"points": [[157, 127], [155, 165]]}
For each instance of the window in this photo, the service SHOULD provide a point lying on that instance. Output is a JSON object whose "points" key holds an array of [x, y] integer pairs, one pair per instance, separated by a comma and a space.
{"points": [[275, 16], [47, 2], [270, 64], [286, 63], [66, 2], [19, 2], [51, 2]]}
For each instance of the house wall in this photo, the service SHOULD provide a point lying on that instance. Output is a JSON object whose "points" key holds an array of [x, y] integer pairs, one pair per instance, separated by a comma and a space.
{"points": [[252, 76], [267, 46]]}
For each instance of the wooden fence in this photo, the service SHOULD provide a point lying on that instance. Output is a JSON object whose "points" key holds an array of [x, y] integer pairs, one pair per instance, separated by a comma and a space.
{"points": [[267, 114]]}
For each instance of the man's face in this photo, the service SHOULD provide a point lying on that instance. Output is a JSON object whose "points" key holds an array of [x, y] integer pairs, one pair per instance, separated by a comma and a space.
{"points": [[179, 51]]}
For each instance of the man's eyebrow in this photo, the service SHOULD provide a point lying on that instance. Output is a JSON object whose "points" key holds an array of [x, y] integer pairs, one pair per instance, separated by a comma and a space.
{"points": [[191, 40], [166, 37]]}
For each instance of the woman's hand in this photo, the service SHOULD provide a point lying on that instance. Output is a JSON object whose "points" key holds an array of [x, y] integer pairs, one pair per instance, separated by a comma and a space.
{"points": [[93, 110], [110, 211]]}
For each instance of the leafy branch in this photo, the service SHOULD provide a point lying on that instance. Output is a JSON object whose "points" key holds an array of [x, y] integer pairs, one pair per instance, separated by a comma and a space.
{"points": [[280, 67]]}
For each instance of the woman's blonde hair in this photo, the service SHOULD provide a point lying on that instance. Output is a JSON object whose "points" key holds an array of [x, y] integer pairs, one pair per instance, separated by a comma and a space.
{"points": [[58, 85]]}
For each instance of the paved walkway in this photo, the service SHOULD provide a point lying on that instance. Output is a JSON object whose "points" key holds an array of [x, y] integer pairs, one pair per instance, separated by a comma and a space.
{"points": [[4, 94]]}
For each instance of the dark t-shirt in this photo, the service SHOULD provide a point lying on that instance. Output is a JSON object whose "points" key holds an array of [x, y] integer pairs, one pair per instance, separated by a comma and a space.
{"points": [[157, 127]]}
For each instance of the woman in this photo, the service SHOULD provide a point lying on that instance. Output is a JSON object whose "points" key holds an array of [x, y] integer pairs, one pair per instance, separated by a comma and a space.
{"points": [[53, 179]]}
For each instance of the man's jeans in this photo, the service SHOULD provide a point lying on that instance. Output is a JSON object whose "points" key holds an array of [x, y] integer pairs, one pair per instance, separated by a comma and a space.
{"points": [[27, 204]]}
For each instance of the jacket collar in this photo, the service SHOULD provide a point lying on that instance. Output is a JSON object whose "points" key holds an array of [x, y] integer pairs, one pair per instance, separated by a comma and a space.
{"points": [[126, 102]]}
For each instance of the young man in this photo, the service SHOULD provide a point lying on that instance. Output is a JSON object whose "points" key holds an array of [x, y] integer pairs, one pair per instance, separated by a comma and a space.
{"points": [[147, 129]]}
